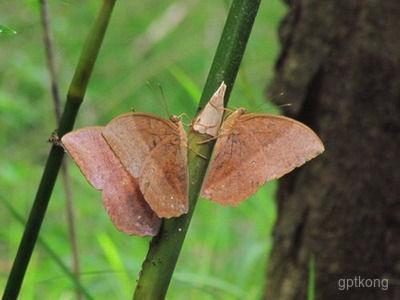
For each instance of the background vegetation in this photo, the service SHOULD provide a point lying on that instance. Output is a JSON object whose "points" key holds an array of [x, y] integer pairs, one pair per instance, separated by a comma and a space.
{"points": [[170, 43]]}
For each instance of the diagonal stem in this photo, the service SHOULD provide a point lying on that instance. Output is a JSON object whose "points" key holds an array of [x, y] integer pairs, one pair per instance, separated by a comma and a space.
{"points": [[52, 254], [66, 179], [75, 97], [161, 259]]}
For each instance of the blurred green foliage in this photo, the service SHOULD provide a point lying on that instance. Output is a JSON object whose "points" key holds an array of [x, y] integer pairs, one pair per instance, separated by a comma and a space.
{"points": [[148, 43]]}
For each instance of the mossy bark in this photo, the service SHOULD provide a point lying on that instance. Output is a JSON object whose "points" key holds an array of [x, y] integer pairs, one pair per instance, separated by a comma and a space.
{"points": [[339, 67]]}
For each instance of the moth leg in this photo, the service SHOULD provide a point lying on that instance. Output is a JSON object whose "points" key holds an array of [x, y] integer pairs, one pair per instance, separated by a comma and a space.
{"points": [[207, 140], [210, 139], [207, 126], [55, 139], [222, 108], [198, 154], [186, 115]]}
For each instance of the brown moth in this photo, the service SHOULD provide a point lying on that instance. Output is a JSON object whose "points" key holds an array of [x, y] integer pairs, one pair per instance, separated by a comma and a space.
{"points": [[121, 195], [154, 151], [209, 119], [253, 149]]}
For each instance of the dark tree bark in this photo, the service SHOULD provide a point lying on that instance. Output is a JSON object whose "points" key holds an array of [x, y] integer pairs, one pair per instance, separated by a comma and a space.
{"points": [[340, 68]]}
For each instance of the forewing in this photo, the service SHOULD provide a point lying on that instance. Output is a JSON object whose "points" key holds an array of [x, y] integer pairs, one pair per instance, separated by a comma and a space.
{"points": [[263, 147], [91, 154], [154, 151], [232, 175], [121, 195], [164, 181], [286, 143]]}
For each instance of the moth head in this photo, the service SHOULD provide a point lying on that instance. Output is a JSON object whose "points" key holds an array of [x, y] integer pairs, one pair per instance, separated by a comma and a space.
{"points": [[241, 110], [175, 119]]}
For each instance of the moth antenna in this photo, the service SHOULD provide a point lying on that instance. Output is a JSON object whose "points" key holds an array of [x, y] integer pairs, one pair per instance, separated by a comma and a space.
{"points": [[151, 88], [156, 95], [148, 84], [164, 99], [273, 97], [270, 100], [286, 104]]}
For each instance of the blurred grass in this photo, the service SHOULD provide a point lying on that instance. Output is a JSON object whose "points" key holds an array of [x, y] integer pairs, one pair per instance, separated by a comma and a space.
{"points": [[225, 253], [311, 279]]}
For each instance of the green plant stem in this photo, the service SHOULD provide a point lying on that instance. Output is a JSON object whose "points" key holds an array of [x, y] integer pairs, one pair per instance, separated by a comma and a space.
{"points": [[66, 179], [75, 97], [53, 255], [164, 249]]}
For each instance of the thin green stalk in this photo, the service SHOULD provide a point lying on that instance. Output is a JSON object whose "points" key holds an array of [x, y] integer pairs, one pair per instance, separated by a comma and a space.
{"points": [[164, 250], [311, 279], [75, 97], [65, 176]]}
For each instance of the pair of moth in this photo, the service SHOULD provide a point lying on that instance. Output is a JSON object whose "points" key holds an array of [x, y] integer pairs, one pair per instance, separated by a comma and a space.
{"points": [[139, 160]]}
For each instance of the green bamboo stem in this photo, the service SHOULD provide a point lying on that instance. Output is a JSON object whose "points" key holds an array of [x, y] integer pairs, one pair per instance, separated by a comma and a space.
{"points": [[65, 176], [75, 97], [52, 254], [164, 250]]}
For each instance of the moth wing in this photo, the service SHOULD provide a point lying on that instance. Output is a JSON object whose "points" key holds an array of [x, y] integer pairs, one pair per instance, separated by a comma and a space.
{"points": [[209, 119], [254, 149], [122, 198], [154, 151]]}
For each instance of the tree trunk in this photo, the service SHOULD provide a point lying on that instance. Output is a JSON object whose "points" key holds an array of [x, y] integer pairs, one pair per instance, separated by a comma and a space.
{"points": [[340, 69]]}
